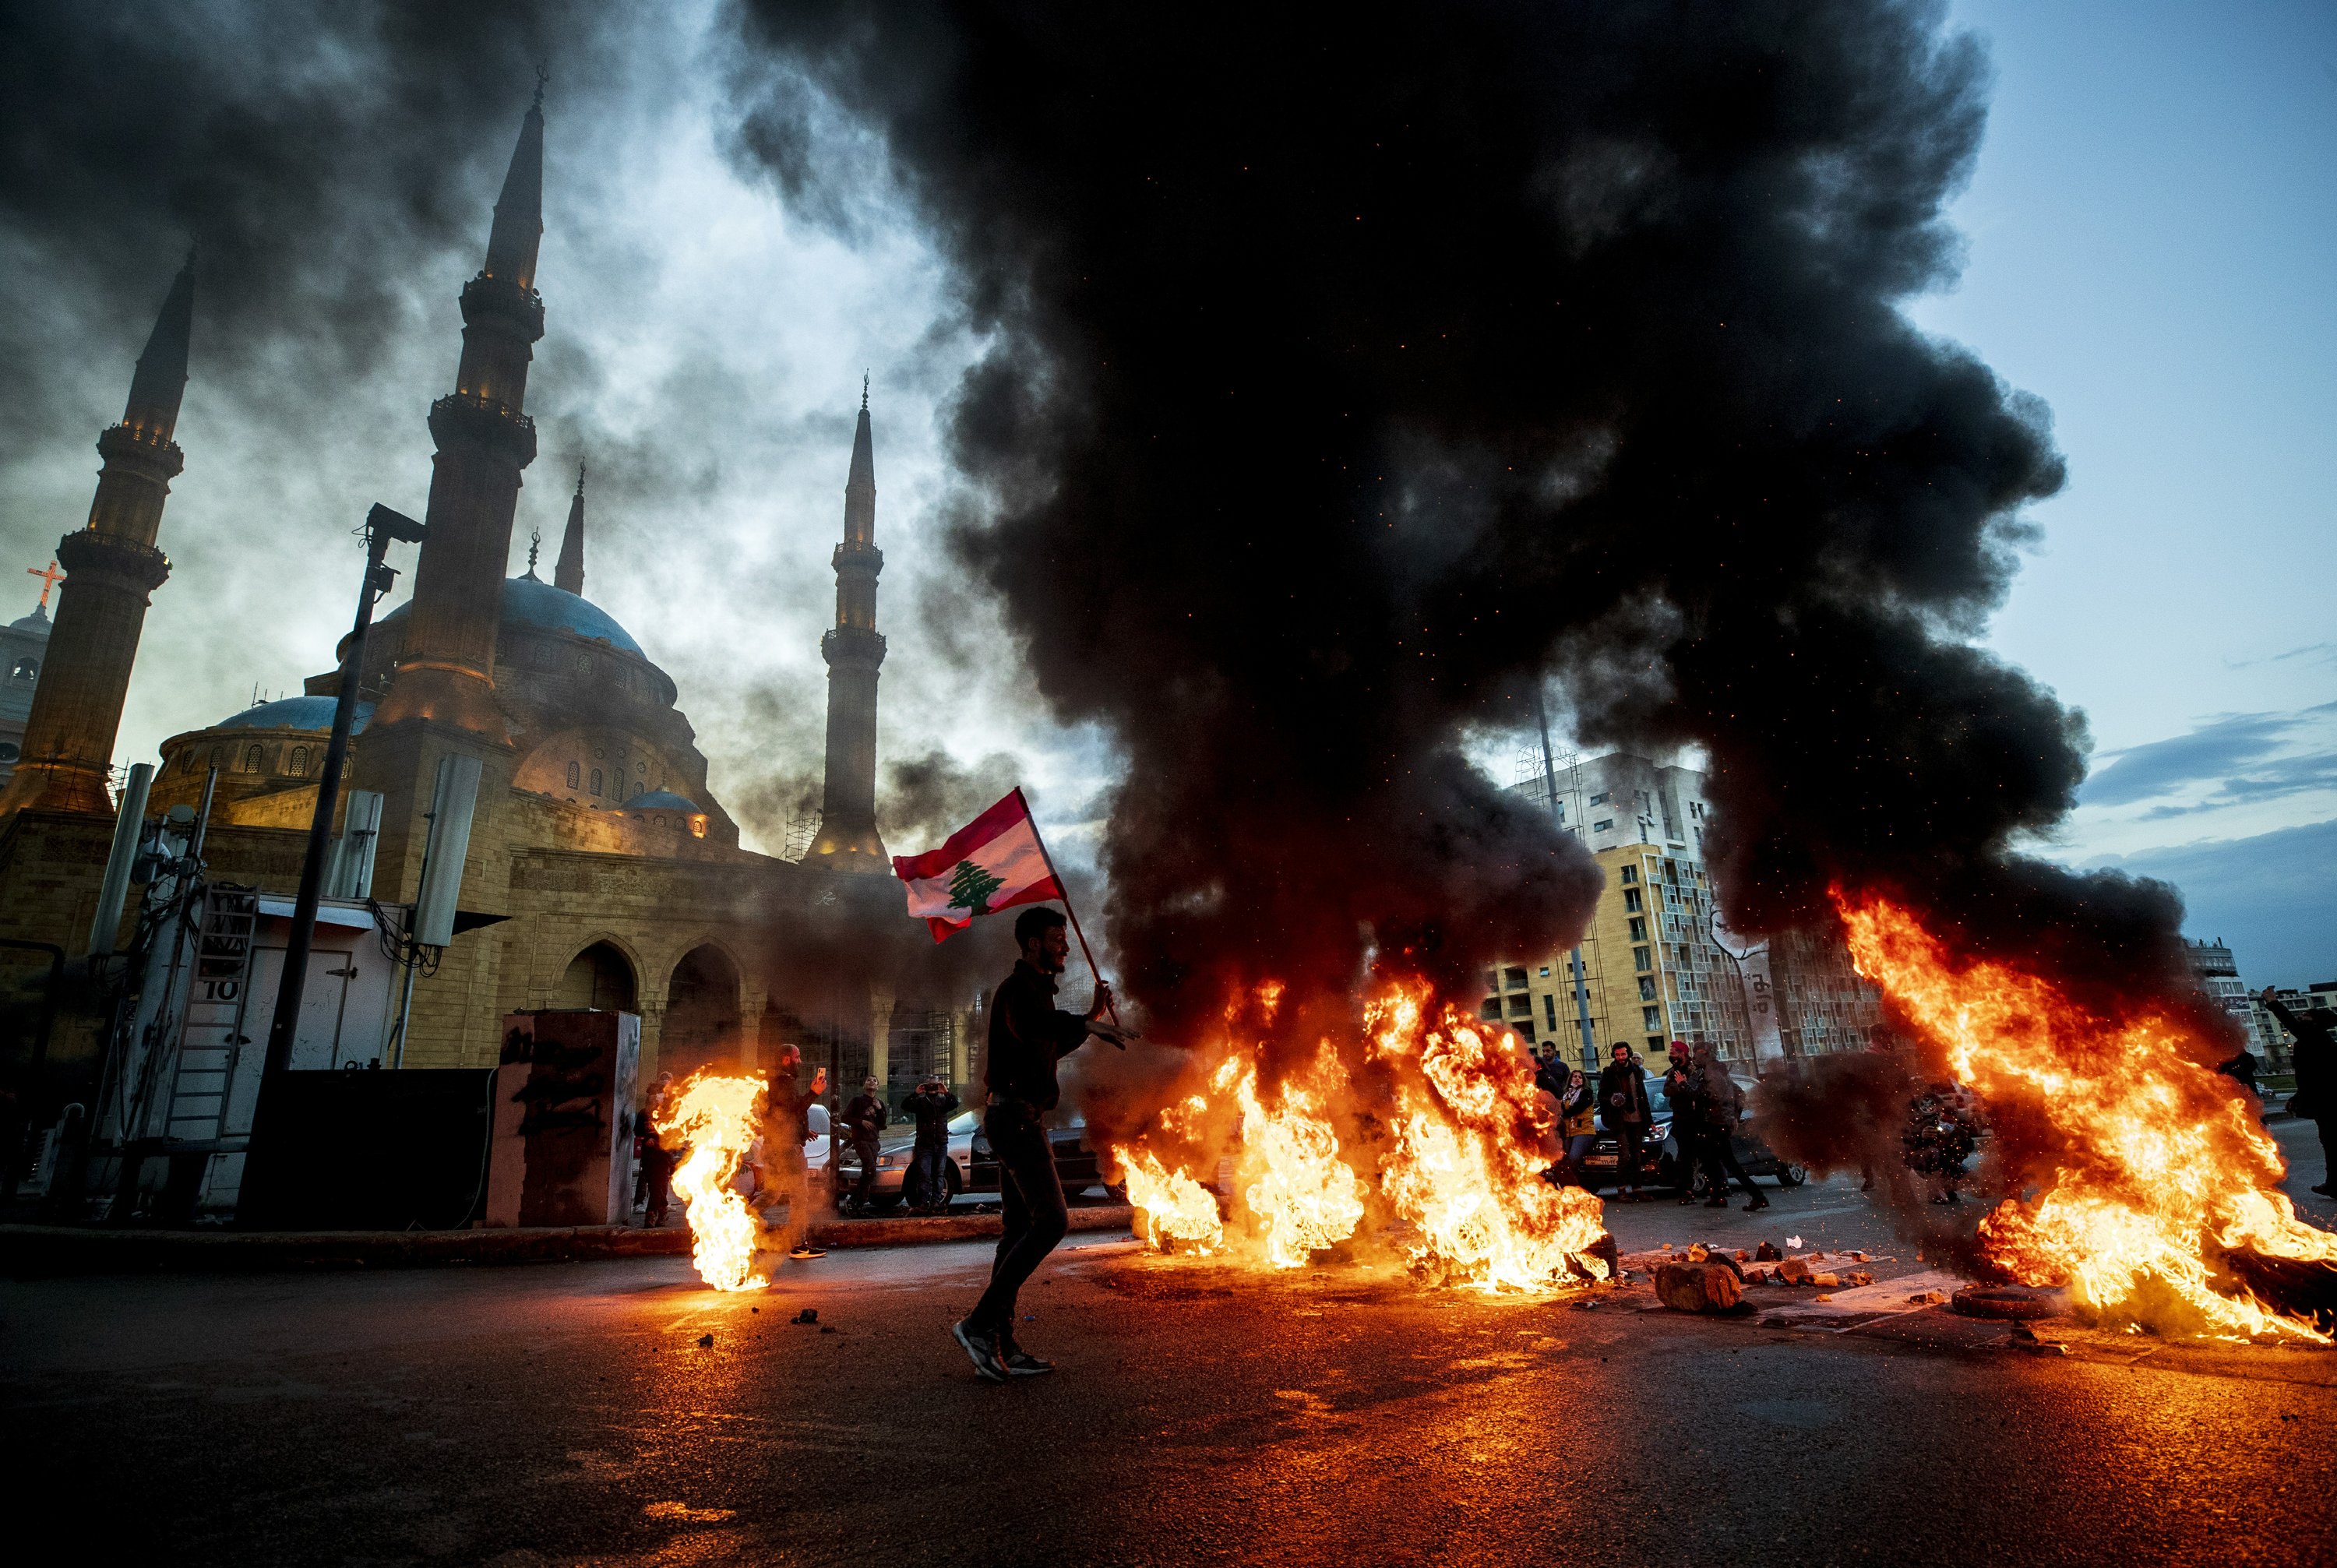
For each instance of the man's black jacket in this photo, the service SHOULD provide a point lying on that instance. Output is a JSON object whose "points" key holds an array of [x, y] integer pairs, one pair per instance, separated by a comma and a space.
{"points": [[864, 1117], [1028, 1035], [932, 1111], [1620, 1091]]}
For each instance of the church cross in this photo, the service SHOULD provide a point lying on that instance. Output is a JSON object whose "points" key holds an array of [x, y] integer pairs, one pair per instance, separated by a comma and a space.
{"points": [[49, 576]]}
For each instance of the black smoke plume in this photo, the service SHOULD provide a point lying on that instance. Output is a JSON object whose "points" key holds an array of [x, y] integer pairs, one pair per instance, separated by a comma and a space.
{"points": [[1357, 368], [311, 155]]}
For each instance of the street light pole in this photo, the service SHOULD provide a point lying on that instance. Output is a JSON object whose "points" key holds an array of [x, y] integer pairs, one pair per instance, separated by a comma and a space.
{"points": [[1557, 820], [382, 525]]}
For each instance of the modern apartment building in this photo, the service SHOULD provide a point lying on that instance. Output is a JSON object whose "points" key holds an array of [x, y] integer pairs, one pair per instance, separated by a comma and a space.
{"points": [[1652, 970], [2219, 974]]}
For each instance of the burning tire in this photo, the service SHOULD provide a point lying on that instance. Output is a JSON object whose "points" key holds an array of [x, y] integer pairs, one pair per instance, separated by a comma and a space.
{"points": [[2009, 1302]]}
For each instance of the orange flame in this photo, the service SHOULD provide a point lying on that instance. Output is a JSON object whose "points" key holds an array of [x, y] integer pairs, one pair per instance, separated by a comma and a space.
{"points": [[1290, 1172], [719, 1115], [2165, 1170], [1463, 1169], [1172, 1207], [1460, 1161]]}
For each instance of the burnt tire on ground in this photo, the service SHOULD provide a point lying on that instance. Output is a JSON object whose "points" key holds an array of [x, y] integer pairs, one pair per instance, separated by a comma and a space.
{"points": [[2011, 1303]]}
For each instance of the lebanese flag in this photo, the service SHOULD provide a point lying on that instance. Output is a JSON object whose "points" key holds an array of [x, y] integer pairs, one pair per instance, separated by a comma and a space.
{"points": [[994, 862]]}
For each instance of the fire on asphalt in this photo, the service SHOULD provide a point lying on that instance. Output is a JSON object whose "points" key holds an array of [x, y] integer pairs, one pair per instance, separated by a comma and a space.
{"points": [[574, 1414]]}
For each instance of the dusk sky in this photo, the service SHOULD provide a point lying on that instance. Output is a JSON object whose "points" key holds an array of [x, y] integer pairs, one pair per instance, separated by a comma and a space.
{"points": [[2152, 251]]}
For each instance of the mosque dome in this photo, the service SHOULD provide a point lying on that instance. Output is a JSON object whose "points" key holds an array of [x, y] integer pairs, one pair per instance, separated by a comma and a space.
{"points": [[532, 603], [662, 800], [294, 713]]}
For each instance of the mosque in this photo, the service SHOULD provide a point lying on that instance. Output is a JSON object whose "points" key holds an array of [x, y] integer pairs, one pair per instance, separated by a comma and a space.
{"points": [[602, 869]]}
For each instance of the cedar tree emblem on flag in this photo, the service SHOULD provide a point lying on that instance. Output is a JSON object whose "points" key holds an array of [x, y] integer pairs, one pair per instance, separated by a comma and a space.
{"points": [[994, 862]]}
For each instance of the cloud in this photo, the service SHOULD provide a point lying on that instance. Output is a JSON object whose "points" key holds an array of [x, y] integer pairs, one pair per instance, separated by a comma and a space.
{"points": [[706, 335], [2273, 896], [2242, 754]]}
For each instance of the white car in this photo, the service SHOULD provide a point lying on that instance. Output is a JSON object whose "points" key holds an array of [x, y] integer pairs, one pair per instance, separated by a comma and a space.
{"points": [[893, 1154]]}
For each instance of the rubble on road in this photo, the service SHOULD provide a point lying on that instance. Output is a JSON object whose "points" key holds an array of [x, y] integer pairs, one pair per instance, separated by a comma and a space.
{"points": [[1698, 1287]]}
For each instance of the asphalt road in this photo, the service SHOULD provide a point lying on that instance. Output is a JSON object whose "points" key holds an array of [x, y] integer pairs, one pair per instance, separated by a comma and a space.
{"points": [[568, 1414]]}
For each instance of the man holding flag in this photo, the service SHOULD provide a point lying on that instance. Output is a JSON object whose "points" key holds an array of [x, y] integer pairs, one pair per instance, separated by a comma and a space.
{"points": [[1028, 1035], [994, 863]]}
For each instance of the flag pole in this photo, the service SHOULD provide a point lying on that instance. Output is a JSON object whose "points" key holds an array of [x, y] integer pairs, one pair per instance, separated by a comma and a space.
{"points": [[1065, 893]]}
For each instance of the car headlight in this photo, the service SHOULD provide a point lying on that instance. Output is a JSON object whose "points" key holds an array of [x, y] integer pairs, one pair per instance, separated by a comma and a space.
{"points": [[1663, 1130]]}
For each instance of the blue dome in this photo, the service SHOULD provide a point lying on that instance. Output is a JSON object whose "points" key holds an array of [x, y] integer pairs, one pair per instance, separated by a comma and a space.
{"points": [[531, 601], [295, 713], [661, 801]]}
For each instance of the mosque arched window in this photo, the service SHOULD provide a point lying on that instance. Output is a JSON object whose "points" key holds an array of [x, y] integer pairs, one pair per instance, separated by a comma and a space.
{"points": [[596, 782], [251, 759], [298, 765], [575, 776], [26, 669]]}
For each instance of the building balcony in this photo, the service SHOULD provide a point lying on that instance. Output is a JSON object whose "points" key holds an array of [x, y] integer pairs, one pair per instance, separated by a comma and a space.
{"points": [[853, 646], [141, 446], [486, 296], [89, 555], [466, 417]]}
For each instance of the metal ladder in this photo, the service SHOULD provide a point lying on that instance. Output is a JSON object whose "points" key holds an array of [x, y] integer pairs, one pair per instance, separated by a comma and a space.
{"points": [[212, 1040]]}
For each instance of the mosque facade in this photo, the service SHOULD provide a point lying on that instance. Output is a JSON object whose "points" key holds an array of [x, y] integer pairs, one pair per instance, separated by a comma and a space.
{"points": [[602, 869]]}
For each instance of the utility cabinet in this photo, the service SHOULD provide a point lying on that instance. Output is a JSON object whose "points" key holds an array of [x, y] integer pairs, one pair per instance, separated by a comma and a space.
{"points": [[563, 1121]]}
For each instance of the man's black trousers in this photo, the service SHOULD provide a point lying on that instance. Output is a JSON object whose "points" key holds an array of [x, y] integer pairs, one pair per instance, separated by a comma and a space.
{"points": [[1717, 1153], [1630, 1137], [1032, 1196]]}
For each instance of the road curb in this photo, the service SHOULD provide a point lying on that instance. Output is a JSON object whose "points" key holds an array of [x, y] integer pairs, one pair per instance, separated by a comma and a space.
{"points": [[39, 1251], [955, 1228]]}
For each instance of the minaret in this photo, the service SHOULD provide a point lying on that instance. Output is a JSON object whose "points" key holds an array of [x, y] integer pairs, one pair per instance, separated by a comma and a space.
{"points": [[446, 673], [569, 573], [441, 702], [854, 650], [111, 568]]}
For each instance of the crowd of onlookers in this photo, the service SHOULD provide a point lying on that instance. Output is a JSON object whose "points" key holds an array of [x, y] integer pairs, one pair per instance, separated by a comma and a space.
{"points": [[1703, 1101], [772, 1173], [1696, 1093]]}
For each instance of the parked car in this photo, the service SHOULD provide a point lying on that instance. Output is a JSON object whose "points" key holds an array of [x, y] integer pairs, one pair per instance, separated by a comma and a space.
{"points": [[893, 1154], [1077, 1164], [1605, 1159]]}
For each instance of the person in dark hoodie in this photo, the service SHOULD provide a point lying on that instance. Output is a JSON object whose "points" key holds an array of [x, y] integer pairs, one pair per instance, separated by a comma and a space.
{"points": [[2314, 1057], [1687, 1116], [1623, 1107], [864, 1118], [1028, 1034], [784, 1108], [928, 1180], [1723, 1106]]}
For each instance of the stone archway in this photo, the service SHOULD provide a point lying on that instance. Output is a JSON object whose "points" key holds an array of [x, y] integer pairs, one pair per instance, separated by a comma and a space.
{"points": [[701, 1010], [601, 977]]}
